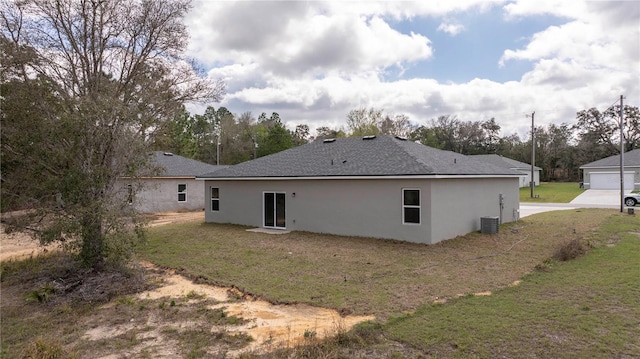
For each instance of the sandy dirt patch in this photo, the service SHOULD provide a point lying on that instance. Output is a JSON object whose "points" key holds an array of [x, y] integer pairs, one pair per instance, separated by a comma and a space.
{"points": [[18, 245], [287, 325], [178, 286], [159, 219], [269, 325]]}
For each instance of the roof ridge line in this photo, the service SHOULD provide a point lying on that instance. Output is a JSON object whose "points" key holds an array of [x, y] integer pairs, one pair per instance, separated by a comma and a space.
{"points": [[414, 157]]}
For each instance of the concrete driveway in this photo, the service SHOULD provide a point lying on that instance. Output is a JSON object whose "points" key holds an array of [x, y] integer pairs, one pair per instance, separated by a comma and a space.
{"points": [[597, 198], [590, 198], [527, 209]]}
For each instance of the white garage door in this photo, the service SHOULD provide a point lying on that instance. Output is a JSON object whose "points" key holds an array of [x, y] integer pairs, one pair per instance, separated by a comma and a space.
{"points": [[610, 180]]}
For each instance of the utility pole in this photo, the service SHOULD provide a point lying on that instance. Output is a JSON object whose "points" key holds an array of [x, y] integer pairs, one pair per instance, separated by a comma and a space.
{"points": [[218, 149], [621, 156], [533, 153]]}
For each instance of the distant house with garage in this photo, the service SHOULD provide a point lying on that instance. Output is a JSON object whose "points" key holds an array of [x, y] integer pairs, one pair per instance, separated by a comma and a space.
{"points": [[523, 168], [374, 186], [174, 187], [605, 173]]}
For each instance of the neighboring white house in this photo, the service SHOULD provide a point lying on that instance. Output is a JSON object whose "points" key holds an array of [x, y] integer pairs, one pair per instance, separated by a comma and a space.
{"points": [[375, 186], [175, 187], [523, 168], [605, 173]]}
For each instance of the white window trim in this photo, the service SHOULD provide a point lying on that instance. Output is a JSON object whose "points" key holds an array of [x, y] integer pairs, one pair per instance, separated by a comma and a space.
{"points": [[419, 207], [185, 192], [214, 199]]}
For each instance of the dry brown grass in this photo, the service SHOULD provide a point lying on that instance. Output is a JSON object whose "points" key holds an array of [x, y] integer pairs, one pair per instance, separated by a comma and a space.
{"points": [[383, 277], [570, 249], [365, 275]]}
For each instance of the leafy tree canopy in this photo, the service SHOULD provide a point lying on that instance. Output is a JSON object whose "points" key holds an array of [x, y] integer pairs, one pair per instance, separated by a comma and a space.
{"points": [[96, 80]]}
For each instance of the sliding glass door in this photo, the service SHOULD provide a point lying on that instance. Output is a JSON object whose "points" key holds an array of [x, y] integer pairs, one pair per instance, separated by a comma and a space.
{"points": [[274, 210]]}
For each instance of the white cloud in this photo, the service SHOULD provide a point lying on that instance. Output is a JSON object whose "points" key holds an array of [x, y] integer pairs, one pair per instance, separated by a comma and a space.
{"points": [[586, 44], [526, 8], [588, 61], [238, 76], [289, 38], [451, 28], [407, 9], [601, 34], [344, 44], [314, 61]]}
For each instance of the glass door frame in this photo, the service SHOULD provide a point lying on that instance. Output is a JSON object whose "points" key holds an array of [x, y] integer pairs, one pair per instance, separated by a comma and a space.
{"points": [[274, 209]]}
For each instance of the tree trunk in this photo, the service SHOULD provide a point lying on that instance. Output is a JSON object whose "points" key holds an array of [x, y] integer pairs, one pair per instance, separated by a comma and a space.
{"points": [[92, 251]]}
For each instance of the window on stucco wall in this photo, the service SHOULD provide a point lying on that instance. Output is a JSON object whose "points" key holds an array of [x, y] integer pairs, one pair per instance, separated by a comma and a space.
{"points": [[182, 192], [410, 206], [215, 199]]}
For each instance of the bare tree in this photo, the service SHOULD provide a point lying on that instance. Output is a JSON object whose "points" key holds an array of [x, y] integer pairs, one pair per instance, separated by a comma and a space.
{"points": [[115, 72], [604, 127], [301, 135], [324, 132], [396, 125], [363, 121]]}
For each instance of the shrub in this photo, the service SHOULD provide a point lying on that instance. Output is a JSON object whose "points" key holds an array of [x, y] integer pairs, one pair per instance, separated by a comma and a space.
{"points": [[570, 250], [42, 295], [368, 332], [45, 349]]}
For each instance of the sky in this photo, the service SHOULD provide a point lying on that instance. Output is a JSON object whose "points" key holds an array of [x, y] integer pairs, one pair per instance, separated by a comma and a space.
{"points": [[312, 62]]}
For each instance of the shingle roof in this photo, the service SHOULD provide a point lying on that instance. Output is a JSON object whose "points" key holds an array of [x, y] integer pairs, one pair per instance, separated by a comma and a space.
{"points": [[356, 156], [506, 162], [631, 159], [177, 166]]}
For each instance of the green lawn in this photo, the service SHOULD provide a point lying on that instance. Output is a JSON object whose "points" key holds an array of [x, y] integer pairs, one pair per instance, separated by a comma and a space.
{"points": [[552, 192], [363, 275], [582, 308], [587, 307]]}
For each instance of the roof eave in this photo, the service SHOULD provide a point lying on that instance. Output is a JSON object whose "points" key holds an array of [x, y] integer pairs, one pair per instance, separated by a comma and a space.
{"points": [[159, 177], [289, 178], [609, 166]]}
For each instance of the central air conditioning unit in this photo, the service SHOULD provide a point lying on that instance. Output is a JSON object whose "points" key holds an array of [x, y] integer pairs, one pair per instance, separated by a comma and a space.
{"points": [[489, 225]]}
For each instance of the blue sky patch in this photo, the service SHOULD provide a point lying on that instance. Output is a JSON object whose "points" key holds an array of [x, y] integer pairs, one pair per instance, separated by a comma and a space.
{"points": [[476, 51]]}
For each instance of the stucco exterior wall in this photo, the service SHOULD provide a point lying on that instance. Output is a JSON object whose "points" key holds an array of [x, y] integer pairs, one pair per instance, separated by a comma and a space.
{"points": [[370, 208], [161, 195], [525, 179], [457, 205]]}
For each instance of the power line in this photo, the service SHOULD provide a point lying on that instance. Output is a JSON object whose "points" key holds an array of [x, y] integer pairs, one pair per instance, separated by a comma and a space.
{"points": [[610, 106]]}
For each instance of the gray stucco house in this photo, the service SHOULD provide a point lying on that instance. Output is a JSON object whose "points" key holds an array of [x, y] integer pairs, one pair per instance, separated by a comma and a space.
{"points": [[605, 173], [523, 168], [375, 186], [174, 188]]}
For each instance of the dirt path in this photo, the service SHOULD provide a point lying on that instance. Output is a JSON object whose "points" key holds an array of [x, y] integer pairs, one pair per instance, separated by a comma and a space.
{"points": [[18, 245], [269, 325], [159, 219]]}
